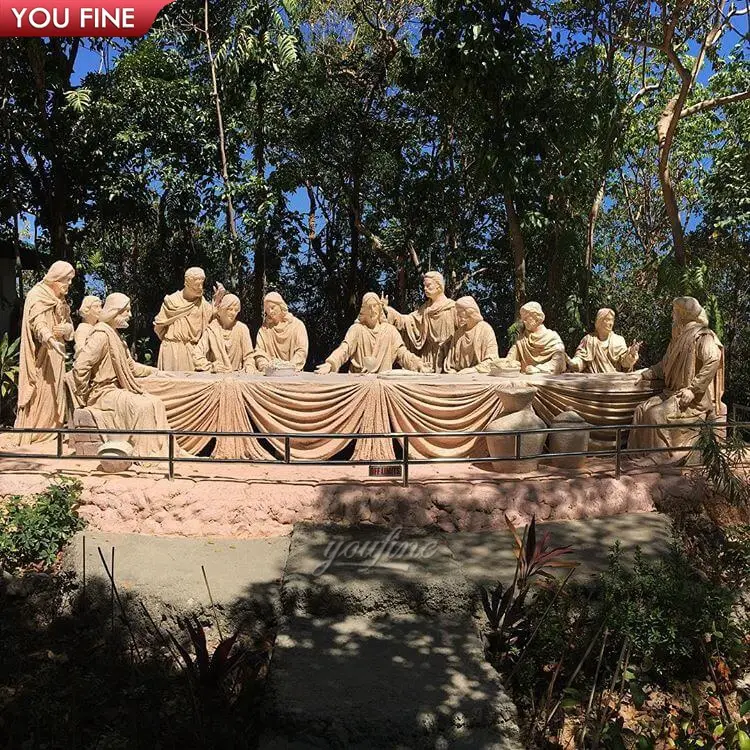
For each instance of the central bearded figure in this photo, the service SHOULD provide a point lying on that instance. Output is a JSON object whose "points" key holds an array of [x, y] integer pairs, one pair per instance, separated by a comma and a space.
{"points": [[282, 336], [371, 344], [537, 348], [226, 345], [427, 331]]}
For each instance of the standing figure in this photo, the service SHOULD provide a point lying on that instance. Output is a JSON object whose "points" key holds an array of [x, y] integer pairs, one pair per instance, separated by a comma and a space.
{"points": [[226, 345], [106, 381], [371, 344], [45, 328], [537, 348], [604, 351], [183, 318], [282, 336], [89, 312], [693, 374], [427, 330], [473, 345]]}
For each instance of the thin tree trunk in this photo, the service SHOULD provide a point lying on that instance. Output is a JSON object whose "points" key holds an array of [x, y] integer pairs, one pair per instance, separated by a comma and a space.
{"points": [[354, 222], [519, 252], [231, 224], [665, 127], [590, 234], [260, 276]]}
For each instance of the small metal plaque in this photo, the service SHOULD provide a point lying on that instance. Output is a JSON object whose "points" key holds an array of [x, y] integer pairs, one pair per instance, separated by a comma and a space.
{"points": [[391, 470]]}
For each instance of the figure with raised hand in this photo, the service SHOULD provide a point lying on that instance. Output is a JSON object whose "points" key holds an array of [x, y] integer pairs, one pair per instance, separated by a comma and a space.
{"points": [[371, 345], [45, 327], [427, 330], [473, 346], [604, 350], [183, 318]]}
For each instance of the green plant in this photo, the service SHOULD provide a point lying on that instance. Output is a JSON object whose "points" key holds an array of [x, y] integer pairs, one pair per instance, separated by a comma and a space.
{"points": [[9, 368], [722, 460], [34, 530]]}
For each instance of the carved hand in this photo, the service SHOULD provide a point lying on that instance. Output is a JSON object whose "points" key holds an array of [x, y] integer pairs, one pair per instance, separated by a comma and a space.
{"points": [[56, 345], [685, 397], [59, 330], [323, 369], [220, 367], [219, 293], [531, 369]]}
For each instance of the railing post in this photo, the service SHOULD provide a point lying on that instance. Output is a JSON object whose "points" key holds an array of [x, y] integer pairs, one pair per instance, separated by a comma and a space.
{"points": [[287, 450], [170, 437], [618, 456], [405, 473], [59, 444]]}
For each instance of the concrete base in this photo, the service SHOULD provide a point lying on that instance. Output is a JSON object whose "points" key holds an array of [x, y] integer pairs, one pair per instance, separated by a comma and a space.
{"points": [[246, 500]]}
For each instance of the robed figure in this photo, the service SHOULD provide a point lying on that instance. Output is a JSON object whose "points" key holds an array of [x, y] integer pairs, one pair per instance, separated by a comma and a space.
{"points": [[45, 327], [282, 336], [693, 375], [226, 345], [604, 350], [537, 349], [427, 330], [473, 346]]}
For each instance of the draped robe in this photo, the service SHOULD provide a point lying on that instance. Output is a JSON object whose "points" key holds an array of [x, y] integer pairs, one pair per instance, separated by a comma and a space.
{"points": [[287, 340], [106, 376], [180, 325], [232, 348], [41, 387], [383, 343], [475, 347], [595, 355], [543, 349], [694, 360], [427, 330]]}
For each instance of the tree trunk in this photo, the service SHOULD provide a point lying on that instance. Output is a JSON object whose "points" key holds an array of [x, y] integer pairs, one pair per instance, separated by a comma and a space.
{"points": [[354, 222], [665, 127], [590, 234], [519, 252], [260, 272]]}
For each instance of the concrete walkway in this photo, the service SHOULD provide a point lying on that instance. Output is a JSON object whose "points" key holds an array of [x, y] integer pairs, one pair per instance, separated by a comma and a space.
{"points": [[377, 644]]}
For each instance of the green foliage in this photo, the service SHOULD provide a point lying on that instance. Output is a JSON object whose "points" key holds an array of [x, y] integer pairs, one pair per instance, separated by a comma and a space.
{"points": [[723, 460], [34, 530], [9, 368]]}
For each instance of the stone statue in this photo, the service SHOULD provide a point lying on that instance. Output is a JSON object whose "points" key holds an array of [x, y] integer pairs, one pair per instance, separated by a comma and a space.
{"points": [[106, 381], [282, 336], [473, 346], [183, 318], [45, 327], [693, 374], [226, 345], [427, 331], [89, 312], [604, 351], [537, 348], [371, 344]]}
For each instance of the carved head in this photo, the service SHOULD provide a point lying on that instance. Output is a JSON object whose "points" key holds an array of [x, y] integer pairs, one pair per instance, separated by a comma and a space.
{"points": [[468, 313], [687, 310], [194, 279], [90, 309], [532, 316], [371, 311], [434, 284], [228, 310], [605, 322], [58, 277], [274, 309], [116, 311]]}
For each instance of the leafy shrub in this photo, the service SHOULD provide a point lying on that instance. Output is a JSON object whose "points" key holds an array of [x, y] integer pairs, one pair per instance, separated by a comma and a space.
{"points": [[9, 367], [34, 530]]}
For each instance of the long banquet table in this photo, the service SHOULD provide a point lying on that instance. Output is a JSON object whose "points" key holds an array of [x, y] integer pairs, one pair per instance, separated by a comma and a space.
{"points": [[343, 403]]}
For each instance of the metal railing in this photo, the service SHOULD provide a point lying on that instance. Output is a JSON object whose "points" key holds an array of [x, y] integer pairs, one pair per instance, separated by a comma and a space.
{"points": [[404, 437]]}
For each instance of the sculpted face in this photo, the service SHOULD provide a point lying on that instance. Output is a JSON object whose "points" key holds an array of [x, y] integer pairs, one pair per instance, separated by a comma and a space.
{"points": [[92, 314], [60, 288], [531, 321], [123, 319], [431, 288], [465, 317], [272, 313], [370, 313], [605, 325], [228, 315], [194, 286]]}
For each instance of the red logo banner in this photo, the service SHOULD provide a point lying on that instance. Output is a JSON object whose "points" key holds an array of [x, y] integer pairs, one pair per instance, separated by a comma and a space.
{"points": [[126, 18]]}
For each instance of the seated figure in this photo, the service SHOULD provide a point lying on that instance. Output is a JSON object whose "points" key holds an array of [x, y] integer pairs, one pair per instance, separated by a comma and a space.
{"points": [[693, 374], [537, 349], [106, 381], [89, 312], [282, 336], [371, 344], [473, 345], [225, 345], [604, 351]]}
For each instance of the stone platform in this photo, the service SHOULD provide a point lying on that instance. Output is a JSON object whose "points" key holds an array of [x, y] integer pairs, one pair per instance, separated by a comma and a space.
{"points": [[252, 501]]}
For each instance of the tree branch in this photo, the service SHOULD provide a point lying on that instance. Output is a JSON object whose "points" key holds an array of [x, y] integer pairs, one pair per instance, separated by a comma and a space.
{"points": [[714, 103]]}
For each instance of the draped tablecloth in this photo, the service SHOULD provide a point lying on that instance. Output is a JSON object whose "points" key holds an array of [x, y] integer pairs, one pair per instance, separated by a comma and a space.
{"points": [[340, 403]]}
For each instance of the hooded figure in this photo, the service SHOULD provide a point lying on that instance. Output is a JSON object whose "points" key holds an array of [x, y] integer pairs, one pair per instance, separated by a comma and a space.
{"points": [[473, 345], [45, 327], [693, 374]]}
